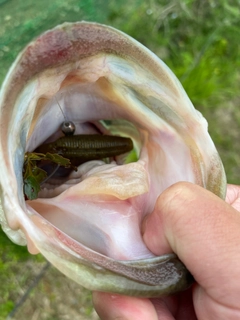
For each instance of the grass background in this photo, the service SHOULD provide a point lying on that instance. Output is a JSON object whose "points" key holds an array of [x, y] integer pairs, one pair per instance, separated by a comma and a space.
{"points": [[198, 40]]}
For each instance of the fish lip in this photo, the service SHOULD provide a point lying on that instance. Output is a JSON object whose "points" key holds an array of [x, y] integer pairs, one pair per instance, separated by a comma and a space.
{"points": [[30, 68]]}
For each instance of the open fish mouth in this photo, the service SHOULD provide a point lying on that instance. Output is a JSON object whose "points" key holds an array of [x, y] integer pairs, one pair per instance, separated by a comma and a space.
{"points": [[88, 223]]}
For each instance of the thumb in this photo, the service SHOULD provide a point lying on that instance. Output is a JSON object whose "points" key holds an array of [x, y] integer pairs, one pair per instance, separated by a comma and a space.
{"points": [[204, 231]]}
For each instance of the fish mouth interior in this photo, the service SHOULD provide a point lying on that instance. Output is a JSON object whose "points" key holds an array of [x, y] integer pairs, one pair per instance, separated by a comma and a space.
{"points": [[102, 205], [92, 113], [91, 110]]}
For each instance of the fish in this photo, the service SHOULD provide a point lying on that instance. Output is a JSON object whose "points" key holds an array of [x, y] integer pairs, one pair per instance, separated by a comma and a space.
{"points": [[88, 223]]}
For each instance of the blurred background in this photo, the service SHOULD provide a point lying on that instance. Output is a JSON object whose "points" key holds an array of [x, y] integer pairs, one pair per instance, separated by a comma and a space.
{"points": [[198, 40]]}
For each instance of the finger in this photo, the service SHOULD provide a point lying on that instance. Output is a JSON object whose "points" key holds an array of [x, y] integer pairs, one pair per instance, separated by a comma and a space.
{"points": [[110, 307], [233, 196], [204, 232]]}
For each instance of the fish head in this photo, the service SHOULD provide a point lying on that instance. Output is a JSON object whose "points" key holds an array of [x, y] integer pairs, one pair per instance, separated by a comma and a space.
{"points": [[88, 224]]}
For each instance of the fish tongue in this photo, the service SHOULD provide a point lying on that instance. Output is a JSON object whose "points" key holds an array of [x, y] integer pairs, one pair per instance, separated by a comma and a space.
{"points": [[104, 211]]}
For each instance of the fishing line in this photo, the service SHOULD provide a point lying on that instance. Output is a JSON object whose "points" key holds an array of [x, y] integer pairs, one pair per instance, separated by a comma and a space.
{"points": [[67, 127], [51, 174], [60, 108]]}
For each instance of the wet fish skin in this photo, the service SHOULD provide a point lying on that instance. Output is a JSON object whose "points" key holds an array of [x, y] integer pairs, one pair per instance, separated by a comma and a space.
{"points": [[98, 63]]}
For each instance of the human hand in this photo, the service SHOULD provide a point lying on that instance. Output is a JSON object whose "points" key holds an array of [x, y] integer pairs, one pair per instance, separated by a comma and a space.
{"points": [[204, 231]]}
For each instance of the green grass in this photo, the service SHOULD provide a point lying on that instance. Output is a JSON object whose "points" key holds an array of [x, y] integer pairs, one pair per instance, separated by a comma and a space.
{"points": [[199, 40], [10, 256]]}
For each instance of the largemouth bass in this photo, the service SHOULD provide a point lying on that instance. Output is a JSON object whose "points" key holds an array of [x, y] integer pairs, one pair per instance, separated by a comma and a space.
{"points": [[87, 222]]}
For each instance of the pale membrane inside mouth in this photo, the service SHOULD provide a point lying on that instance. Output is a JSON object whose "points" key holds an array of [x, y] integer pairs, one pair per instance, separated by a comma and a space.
{"points": [[105, 208], [103, 211]]}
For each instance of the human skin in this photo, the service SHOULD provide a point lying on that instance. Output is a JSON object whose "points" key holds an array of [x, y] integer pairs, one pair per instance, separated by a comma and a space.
{"points": [[204, 231]]}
